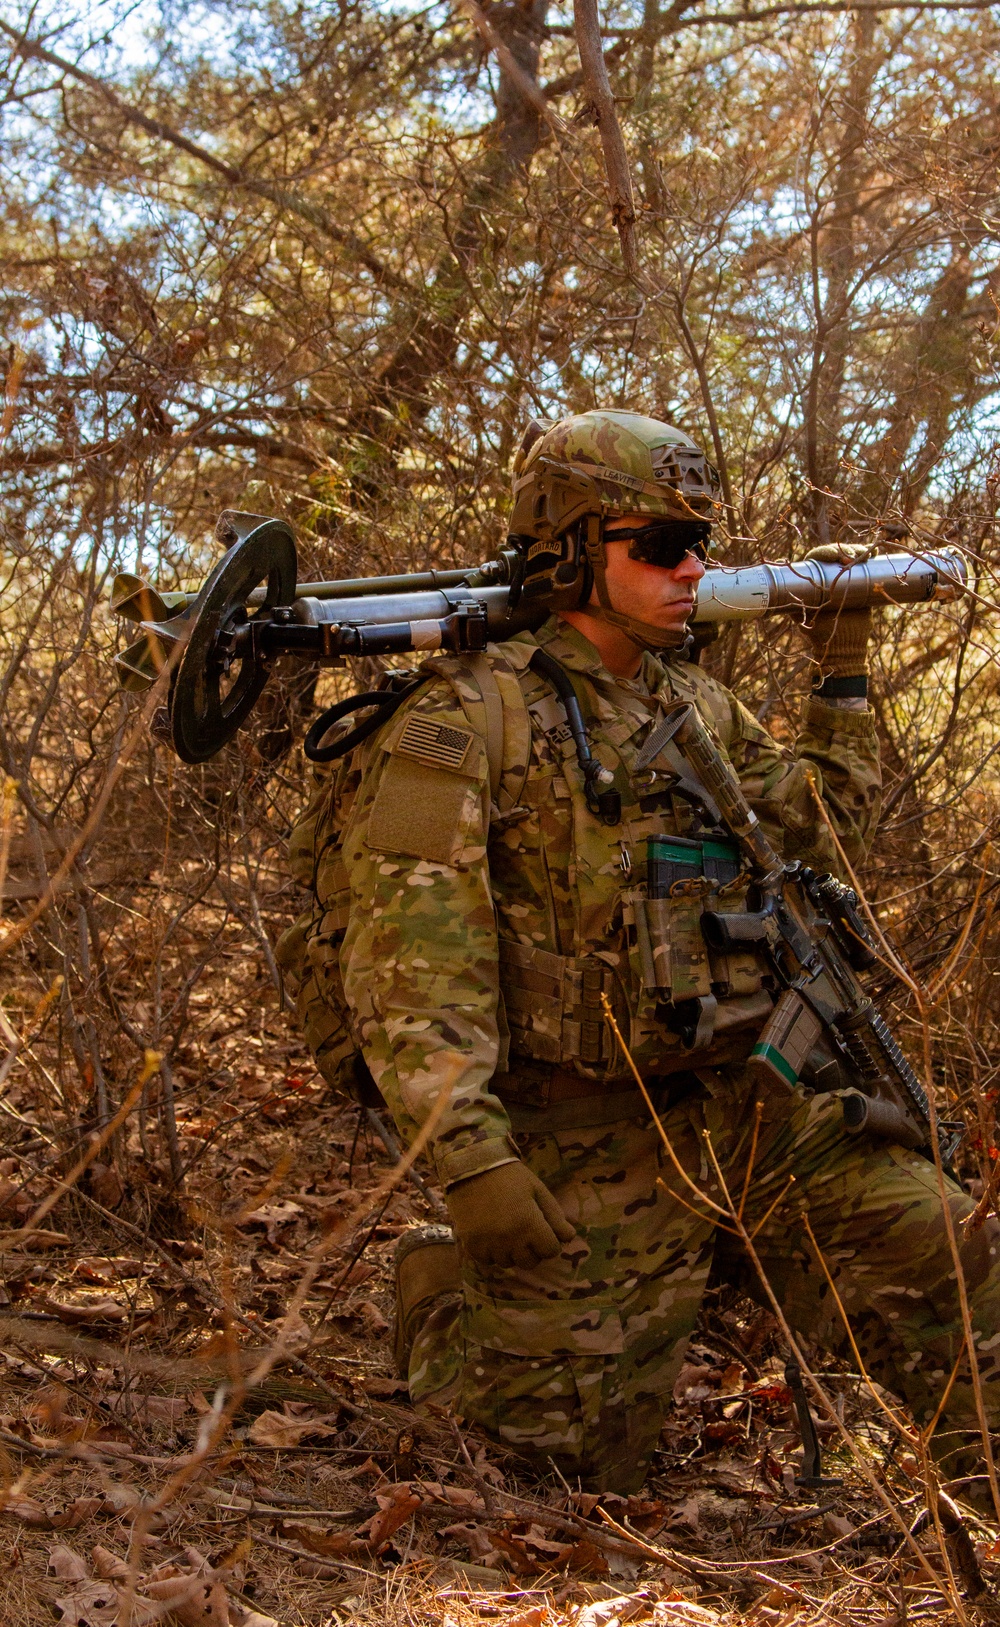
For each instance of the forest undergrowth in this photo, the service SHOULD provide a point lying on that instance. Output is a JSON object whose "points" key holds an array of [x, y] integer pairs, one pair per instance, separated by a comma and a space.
{"points": [[199, 1417]]}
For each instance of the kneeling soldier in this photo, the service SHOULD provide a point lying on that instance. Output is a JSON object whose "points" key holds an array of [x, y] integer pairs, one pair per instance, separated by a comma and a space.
{"points": [[498, 842]]}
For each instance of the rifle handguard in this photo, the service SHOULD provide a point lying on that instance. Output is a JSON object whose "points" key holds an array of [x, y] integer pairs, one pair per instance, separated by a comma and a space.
{"points": [[719, 778]]}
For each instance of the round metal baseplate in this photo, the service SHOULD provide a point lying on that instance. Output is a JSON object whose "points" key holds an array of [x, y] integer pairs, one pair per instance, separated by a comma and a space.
{"points": [[208, 704]]}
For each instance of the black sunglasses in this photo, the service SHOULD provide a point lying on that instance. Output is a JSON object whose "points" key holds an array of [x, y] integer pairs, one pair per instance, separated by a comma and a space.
{"points": [[665, 542]]}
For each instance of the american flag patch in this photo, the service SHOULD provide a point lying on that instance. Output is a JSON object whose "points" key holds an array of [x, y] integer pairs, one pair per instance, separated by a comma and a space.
{"points": [[438, 744]]}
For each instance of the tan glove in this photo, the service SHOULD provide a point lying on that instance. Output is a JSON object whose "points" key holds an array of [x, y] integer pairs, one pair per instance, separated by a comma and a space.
{"points": [[507, 1216], [839, 639]]}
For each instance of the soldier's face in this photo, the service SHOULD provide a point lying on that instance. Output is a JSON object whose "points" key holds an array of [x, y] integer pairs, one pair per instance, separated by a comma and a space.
{"points": [[663, 598]]}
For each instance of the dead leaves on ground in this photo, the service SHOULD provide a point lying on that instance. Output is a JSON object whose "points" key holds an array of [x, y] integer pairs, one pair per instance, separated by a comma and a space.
{"points": [[644, 1607], [192, 1594], [647, 1607], [96, 1307], [492, 1537], [280, 1430], [397, 1504], [728, 1446], [25, 1510], [529, 1552], [95, 1291]]}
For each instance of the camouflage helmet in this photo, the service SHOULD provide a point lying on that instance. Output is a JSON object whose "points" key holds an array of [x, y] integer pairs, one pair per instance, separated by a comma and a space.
{"points": [[572, 476]]}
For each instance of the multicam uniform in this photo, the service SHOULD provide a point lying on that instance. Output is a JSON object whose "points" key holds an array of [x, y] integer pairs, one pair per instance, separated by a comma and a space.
{"points": [[489, 932]]}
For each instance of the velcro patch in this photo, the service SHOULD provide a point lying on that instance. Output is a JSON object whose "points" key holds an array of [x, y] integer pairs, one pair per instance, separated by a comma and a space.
{"points": [[440, 745]]}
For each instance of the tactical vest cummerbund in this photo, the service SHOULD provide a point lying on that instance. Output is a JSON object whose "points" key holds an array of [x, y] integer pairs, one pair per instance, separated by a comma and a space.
{"points": [[555, 1016], [672, 993], [553, 1004]]}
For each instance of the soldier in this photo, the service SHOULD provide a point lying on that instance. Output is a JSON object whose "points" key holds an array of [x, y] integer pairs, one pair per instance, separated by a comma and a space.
{"points": [[492, 858]]}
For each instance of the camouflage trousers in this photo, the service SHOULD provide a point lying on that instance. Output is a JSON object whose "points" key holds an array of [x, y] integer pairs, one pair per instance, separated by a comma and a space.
{"points": [[574, 1362]]}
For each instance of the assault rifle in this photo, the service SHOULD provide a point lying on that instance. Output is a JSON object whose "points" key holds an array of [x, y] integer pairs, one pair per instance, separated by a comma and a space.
{"points": [[812, 932], [252, 608]]}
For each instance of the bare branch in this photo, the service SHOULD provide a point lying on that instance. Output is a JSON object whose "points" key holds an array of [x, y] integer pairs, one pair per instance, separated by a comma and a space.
{"points": [[595, 77], [260, 186]]}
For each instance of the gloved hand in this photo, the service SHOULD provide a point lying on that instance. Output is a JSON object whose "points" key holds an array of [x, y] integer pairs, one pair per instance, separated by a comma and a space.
{"points": [[507, 1217], [839, 639]]}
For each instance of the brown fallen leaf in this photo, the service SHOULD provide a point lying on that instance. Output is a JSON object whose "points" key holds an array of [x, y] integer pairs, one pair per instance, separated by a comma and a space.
{"points": [[584, 1556], [462, 1497], [66, 1564], [273, 1217], [369, 1467], [838, 1525], [276, 1429], [523, 1563], [489, 1471], [106, 1445], [733, 1375], [234, 1561], [15, 1506], [539, 1543], [475, 1539], [604, 1612], [82, 1305], [694, 1382], [687, 1513], [120, 1497], [14, 1201], [106, 1185], [107, 1270], [394, 1511], [359, 1273], [86, 1603], [76, 1512], [294, 1332], [342, 1544], [646, 1513], [89, 1604], [184, 1248], [384, 1388], [374, 1321], [193, 1601], [166, 1408], [323, 1570], [681, 1612], [722, 1432], [107, 1565]]}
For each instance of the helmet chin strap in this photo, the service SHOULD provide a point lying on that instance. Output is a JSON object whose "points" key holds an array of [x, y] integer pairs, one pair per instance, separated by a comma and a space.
{"points": [[642, 633]]}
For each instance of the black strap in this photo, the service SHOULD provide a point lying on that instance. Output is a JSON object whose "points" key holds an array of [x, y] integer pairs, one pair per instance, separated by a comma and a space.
{"points": [[385, 702], [602, 799]]}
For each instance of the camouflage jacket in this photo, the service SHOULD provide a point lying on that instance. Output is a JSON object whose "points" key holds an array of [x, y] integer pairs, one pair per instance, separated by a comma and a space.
{"points": [[466, 923]]}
